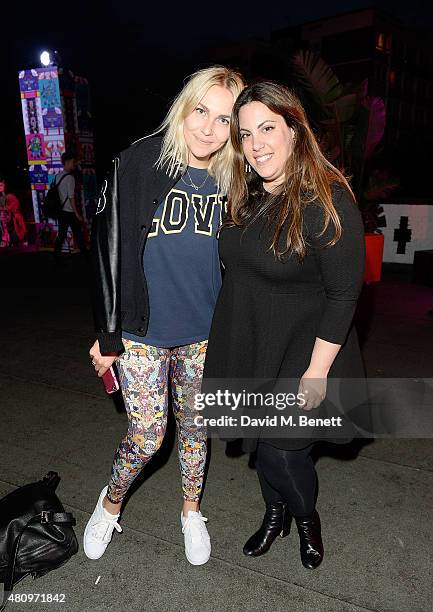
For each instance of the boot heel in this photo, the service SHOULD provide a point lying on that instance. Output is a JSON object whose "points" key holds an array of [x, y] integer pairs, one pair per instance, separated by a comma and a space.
{"points": [[272, 525], [287, 521]]}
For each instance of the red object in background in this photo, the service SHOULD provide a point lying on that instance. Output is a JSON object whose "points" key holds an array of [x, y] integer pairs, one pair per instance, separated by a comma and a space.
{"points": [[373, 257], [13, 205]]}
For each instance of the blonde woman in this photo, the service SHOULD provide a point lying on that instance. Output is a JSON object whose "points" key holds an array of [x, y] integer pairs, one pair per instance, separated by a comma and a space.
{"points": [[157, 277]]}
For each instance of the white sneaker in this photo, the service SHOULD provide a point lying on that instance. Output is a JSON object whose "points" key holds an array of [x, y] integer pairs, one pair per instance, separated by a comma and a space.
{"points": [[99, 529], [197, 540]]}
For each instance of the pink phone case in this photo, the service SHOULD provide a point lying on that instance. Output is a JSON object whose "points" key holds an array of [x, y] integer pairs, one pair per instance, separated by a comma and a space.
{"points": [[110, 381]]}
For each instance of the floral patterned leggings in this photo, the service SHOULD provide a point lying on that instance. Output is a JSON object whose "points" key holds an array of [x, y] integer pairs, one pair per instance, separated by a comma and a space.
{"points": [[145, 374]]}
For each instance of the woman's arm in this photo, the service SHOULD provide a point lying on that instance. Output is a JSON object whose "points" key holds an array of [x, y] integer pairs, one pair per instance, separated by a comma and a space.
{"points": [[322, 357], [341, 267], [342, 270], [106, 266]]}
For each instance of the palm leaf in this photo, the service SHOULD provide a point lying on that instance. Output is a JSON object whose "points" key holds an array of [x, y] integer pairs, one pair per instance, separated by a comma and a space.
{"points": [[316, 78], [344, 108], [370, 127], [380, 185], [376, 124]]}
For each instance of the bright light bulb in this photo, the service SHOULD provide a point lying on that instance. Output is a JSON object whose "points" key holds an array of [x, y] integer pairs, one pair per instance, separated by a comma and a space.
{"points": [[45, 58]]}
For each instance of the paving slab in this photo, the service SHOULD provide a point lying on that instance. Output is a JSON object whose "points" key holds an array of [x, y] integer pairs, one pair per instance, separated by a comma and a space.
{"points": [[375, 501], [417, 453], [375, 525], [148, 573]]}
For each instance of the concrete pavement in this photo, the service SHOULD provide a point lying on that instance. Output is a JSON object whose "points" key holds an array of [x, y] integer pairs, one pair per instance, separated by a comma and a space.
{"points": [[374, 499]]}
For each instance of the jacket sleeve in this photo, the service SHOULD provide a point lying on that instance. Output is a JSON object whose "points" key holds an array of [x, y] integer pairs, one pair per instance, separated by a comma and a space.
{"points": [[106, 265], [341, 265]]}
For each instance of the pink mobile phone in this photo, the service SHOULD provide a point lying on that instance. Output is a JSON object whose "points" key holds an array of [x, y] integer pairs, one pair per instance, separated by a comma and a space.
{"points": [[110, 381]]}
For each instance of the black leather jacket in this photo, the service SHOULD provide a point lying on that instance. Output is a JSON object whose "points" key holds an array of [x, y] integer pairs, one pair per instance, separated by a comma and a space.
{"points": [[128, 200]]}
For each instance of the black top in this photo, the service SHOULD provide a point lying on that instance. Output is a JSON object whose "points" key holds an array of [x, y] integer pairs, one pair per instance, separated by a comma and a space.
{"points": [[269, 313]]}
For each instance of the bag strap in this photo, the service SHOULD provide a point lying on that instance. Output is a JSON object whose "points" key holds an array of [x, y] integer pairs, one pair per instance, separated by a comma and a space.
{"points": [[46, 516], [64, 176], [67, 197], [51, 480]]}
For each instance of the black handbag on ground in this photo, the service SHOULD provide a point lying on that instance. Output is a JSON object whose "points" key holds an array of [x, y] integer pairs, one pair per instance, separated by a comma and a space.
{"points": [[36, 534]]}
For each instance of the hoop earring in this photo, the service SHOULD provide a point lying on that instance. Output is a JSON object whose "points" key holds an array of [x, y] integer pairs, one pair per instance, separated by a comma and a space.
{"points": [[247, 167]]}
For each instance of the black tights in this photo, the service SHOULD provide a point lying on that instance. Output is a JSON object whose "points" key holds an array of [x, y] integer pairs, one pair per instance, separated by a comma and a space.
{"points": [[288, 476]]}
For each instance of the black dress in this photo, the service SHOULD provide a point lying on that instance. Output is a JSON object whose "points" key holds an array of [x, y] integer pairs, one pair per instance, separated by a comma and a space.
{"points": [[269, 313]]}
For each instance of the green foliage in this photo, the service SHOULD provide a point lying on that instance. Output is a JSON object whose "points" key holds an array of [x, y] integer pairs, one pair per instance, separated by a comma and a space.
{"points": [[351, 125]]}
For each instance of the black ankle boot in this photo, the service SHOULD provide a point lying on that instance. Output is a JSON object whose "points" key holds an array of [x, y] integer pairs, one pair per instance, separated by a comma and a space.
{"points": [[276, 522], [310, 539]]}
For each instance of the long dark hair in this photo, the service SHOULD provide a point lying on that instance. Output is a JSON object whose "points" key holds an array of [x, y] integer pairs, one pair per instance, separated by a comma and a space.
{"points": [[308, 175]]}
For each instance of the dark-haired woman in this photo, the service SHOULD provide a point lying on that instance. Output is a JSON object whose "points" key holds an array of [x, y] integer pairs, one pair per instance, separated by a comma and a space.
{"points": [[293, 251]]}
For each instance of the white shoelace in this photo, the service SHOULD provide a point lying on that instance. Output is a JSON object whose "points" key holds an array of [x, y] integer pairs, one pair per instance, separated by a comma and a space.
{"points": [[101, 529], [195, 526]]}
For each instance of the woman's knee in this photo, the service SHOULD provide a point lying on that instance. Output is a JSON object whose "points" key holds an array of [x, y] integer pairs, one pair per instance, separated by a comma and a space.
{"points": [[277, 463], [142, 446]]}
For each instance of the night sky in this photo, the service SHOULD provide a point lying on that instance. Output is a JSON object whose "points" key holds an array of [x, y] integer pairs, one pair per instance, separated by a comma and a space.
{"points": [[144, 52]]}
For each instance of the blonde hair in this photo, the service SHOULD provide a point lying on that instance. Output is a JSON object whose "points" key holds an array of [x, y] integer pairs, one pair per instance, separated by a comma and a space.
{"points": [[174, 151]]}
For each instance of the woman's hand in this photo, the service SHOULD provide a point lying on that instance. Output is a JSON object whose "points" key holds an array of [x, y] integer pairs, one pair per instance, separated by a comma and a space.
{"points": [[312, 386], [102, 363]]}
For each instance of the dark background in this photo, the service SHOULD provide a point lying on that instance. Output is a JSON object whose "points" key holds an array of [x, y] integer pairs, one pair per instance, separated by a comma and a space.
{"points": [[136, 55]]}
